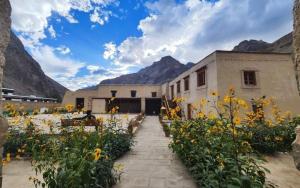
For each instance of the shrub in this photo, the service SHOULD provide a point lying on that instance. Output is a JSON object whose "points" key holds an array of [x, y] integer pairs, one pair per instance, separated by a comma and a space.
{"points": [[73, 158], [270, 139], [213, 156], [166, 129]]}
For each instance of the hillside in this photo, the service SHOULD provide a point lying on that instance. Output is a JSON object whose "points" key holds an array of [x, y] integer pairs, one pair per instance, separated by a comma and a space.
{"points": [[159, 72], [282, 45], [24, 74]]}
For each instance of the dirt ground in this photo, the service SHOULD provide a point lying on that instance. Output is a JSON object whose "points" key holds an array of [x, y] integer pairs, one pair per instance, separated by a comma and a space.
{"points": [[283, 171]]}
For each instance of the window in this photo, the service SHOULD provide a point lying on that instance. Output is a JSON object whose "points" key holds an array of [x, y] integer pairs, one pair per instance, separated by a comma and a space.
{"points": [[178, 86], [172, 91], [154, 94], [79, 103], [201, 76], [186, 83], [249, 78], [113, 93], [133, 93]]}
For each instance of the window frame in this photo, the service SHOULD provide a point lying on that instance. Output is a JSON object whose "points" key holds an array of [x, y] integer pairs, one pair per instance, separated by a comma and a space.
{"points": [[154, 94], [249, 78], [178, 86], [186, 83], [172, 91], [202, 71], [133, 93], [250, 86], [113, 93]]}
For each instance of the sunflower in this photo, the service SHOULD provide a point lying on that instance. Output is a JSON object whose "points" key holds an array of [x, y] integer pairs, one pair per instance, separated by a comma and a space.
{"points": [[214, 94], [97, 154]]}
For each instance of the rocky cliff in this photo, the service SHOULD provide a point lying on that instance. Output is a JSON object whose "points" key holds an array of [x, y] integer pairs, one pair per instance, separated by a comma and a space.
{"points": [[159, 72], [24, 74]]}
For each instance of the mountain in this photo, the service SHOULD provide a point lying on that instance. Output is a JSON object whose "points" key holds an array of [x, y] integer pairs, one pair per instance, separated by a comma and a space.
{"points": [[23, 74], [159, 72], [282, 45]]}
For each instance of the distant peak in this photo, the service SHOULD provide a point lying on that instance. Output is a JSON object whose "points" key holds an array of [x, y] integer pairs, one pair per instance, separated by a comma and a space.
{"points": [[167, 58]]}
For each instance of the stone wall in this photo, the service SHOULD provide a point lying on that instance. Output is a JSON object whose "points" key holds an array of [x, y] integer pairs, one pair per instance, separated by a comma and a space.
{"points": [[5, 22], [30, 106], [296, 41]]}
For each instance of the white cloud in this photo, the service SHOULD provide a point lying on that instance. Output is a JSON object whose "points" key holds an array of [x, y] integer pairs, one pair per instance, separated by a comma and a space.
{"points": [[56, 67], [109, 50], [63, 50], [31, 18], [100, 16], [192, 29], [80, 82], [52, 32], [97, 74], [93, 68]]}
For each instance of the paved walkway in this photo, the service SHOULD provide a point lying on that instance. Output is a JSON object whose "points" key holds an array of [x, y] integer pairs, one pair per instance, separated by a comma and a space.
{"points": [[151, 163]]}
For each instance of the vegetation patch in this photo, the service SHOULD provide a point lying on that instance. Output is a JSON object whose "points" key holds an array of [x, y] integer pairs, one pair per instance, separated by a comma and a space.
{"points": [[224, 149]]}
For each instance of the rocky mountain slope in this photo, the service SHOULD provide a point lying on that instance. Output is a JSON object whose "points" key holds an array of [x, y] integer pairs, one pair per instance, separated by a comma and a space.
{"points": [[282, 45], [159, 72], [24, 74]]}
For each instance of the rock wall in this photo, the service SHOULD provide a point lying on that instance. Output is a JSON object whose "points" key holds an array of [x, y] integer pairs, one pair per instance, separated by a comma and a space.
{"points": [[296, 46], [5, 22], [296, 41]]}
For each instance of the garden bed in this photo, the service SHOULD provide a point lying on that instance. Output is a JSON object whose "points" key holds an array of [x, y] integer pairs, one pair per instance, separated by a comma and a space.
{"points": [[69, 156], [226, 149]]}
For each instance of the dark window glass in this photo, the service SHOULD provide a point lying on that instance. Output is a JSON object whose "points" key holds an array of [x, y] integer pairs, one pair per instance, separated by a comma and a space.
{"points": [[178, 86], [154, 94], [201, 77], [113, 93], [249, 78], [186, 83], [172, 91], [133, 93]]}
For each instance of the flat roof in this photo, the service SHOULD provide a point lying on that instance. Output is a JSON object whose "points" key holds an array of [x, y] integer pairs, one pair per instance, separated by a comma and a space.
{"points": [[129, 84], [27, 97], [275, 53]]}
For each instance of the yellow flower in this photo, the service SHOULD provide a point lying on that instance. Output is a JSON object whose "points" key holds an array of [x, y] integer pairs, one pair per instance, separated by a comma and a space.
{"points": [[219, 122], [201, 115], [214, 94], [211, 116], [278, 138], [8, 157], [226, 99], [177, 109], [203, 102], [97, 154], [69, 107], [237, 120], [242, 103]]}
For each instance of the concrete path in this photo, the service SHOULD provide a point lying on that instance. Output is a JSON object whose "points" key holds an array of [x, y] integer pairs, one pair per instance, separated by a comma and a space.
{"points": [[151, 163]]}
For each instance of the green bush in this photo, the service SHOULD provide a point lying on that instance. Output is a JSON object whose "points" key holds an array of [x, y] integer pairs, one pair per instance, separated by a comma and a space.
{"points": [[166, 129], [270, 139], [74, 158], [116, 143], [214, 157]]}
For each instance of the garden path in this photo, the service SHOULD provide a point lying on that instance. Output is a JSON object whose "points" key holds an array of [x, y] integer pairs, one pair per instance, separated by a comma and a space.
{"points": [[150, 163]]}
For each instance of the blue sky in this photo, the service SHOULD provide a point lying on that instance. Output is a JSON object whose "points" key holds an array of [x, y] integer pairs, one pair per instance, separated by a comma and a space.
{"points": [[80, 43]]}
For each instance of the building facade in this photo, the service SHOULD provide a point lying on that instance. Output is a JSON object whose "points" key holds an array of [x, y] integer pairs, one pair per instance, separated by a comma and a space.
{"points": [[252, 74], [129, 98]]}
